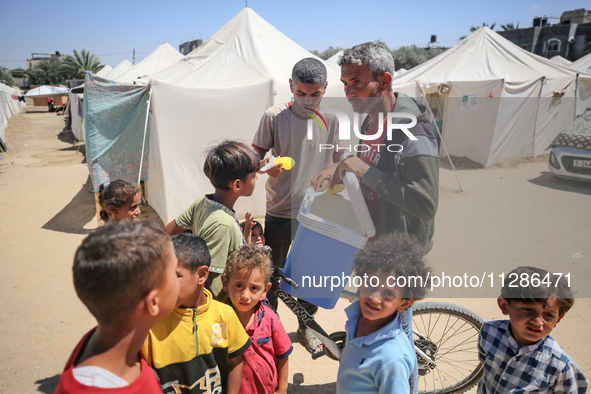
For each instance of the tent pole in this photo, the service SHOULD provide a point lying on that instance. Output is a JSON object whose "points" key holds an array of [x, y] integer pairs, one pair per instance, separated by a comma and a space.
{"points": [[139, 177], [424, 99]]}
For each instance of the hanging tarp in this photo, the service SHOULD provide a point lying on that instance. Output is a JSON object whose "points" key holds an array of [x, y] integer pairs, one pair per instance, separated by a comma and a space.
{"points": [[114, 123]]}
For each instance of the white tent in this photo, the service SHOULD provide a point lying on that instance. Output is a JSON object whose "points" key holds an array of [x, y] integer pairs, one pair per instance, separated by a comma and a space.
{"points": [[119, 69], [77, 114], [400, 71], [47, 91], [9, 106], [583, 64], [103, 71], [162, 57], [560, 60], [219, 91], [334, 59], [496, 100]]}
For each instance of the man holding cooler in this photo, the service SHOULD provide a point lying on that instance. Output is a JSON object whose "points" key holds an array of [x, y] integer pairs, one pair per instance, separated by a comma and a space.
{"points": [[399, 176]]}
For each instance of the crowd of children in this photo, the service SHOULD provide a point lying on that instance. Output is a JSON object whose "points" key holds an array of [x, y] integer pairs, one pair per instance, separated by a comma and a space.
{"points": [[165, 326]]}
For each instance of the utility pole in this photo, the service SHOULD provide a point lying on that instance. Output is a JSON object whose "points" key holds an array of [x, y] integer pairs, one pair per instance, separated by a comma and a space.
{"points": [[133, 55]]}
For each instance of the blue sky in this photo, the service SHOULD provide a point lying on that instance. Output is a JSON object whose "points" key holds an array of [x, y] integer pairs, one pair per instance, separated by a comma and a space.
{"points": [[112, 29]]}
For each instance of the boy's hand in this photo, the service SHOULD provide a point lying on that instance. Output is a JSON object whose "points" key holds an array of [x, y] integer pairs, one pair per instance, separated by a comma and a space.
{"points": [[274, 171]]}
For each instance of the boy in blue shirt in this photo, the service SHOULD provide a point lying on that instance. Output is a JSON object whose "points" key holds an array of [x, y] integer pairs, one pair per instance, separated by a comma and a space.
{"points": [[379, 357], [518, 354]]}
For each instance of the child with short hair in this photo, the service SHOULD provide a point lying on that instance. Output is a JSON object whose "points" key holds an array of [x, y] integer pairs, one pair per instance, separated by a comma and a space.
{"points": [[200, 344], [119, 199], [232, 169], [253, 231], [518, 354], [378, 355], [247, 280], [125, 274]]}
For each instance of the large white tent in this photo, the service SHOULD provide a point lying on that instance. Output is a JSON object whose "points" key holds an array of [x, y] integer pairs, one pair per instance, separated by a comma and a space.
{"points": [[560, 60], [162, 57], [496, 100], [582, 64], [9, 106], [334, 59], [119, 69], [219, 91], [103, 71]]}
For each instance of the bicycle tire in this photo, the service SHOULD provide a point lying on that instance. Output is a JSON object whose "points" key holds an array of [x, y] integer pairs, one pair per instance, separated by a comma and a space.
{"points": [[339, 338], [452, 333]]}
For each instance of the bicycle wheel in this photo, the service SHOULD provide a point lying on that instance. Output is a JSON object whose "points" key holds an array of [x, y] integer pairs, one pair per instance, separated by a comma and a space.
{"points": [[448, 334], [339, 338]]}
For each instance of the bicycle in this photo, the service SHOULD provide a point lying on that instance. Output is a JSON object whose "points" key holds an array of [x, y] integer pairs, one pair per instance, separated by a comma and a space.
{"points": [[445, 337]]}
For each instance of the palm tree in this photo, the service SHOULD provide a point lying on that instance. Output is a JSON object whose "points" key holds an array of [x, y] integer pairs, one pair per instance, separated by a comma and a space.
{"points": [[75, 66], [510, 26], [474, 28]]}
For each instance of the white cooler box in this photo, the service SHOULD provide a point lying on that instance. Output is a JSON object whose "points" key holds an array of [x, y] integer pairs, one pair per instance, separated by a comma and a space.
{"points": [[332, 228]]}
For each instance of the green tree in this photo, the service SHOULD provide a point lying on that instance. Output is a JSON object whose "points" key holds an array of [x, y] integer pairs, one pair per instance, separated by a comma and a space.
{"points": [[19, 73], [47, 72], [75, 66], [474, 28], [510, 26], [5, 77], [410, 56], [326, 53]]}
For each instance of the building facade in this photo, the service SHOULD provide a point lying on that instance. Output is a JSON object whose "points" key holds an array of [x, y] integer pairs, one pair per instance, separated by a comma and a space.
{"points": [[565, 38]]}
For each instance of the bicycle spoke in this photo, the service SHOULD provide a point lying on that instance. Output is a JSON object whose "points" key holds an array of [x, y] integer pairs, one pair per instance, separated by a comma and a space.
{"points": [[450, 338]]}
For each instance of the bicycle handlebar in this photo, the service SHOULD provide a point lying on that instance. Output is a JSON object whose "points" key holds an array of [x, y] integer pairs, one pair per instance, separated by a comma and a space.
{"points": [[278, 272]]}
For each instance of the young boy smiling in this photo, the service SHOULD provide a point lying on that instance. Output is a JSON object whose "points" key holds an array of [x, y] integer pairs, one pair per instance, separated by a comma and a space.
{"points": [[247, 281], [518, 354], [379, 356]]}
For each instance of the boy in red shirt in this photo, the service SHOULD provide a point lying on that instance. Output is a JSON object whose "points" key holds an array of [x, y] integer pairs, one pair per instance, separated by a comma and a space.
{"points": [[247, 280], [125, 274]]}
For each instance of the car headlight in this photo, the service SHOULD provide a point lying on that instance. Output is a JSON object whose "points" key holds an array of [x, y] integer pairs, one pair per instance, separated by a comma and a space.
{"points": [[554, 161]]}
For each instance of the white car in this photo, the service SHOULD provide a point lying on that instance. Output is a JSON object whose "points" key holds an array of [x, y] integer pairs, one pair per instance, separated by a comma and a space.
{"points": [[570, 156]]}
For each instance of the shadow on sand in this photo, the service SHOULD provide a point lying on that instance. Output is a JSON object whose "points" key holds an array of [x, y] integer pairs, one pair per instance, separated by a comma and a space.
{"points": [[300, 388], [546, 179], [76, 214], [48, 385]]}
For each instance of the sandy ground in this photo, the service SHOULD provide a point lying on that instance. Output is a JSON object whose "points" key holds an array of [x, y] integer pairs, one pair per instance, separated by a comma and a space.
{"points": [[509, 215]]}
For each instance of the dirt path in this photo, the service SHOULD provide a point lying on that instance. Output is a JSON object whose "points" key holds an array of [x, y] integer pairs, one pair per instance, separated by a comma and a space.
{"points": [[509, 215]]}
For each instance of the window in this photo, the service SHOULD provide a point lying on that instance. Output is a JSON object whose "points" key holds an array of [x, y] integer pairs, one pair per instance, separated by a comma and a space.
{"points": [[553, 45]]}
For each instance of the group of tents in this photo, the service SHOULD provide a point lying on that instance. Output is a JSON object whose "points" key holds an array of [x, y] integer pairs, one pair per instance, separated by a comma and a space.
{"points": [[492, 100], [10, 105]]}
